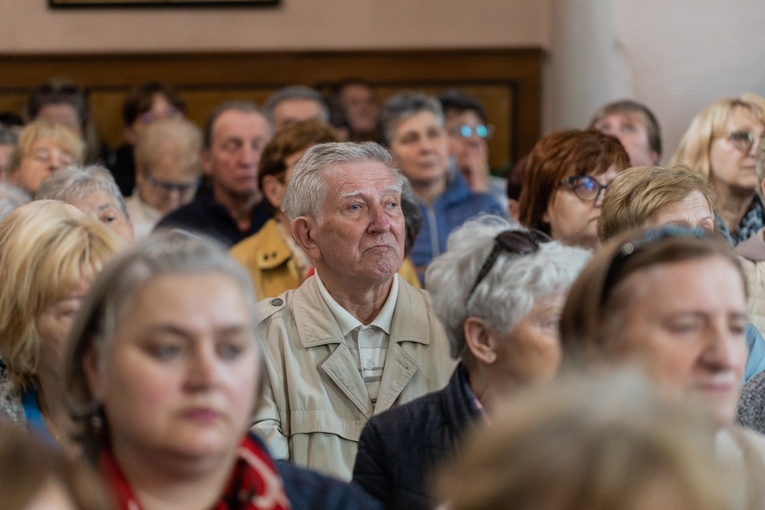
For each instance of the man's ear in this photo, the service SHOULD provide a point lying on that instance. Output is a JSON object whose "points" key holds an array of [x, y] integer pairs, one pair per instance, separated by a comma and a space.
{"points": [[480, 340], [303, 230], [93, 372]]}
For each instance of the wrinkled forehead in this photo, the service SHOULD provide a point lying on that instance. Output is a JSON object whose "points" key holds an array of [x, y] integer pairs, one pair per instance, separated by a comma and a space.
{"points": [[358, 175]]}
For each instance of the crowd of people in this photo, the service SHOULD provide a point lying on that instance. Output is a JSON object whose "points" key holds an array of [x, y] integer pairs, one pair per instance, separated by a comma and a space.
{"points": [[336, 303]]}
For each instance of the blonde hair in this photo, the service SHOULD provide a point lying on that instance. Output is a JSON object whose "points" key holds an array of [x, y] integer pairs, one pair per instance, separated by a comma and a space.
{"points": [[61, 135], [711, 123], [575, 445], [177, 137], [638, 193], [45, 247]]}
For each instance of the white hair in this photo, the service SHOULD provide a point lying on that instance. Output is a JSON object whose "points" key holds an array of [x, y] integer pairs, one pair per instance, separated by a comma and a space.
{"points": [[508, 292]]}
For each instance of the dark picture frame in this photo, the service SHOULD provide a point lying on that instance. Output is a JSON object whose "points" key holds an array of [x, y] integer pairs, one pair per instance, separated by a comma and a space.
{"points": [[63, 4]]}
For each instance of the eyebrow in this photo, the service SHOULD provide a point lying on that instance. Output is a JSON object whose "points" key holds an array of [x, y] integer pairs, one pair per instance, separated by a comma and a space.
{"points": [[393, 188]]}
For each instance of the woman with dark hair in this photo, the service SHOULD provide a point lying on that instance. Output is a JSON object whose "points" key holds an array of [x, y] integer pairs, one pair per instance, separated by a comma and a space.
{"points": [[565, 177]]}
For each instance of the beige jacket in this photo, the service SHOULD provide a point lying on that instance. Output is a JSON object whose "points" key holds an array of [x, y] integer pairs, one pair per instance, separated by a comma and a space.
{"points": [[314, 402]]}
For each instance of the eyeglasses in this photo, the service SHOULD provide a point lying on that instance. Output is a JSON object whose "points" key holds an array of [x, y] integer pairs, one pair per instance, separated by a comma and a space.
{"points": [[150, 116], [742, 140], [585, 187], [633, 246], [519, 242], [166, 187], [466, 131]]}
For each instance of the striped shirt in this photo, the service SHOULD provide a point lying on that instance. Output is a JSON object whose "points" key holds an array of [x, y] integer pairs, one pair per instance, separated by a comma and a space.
{"points": [[368, 343]]}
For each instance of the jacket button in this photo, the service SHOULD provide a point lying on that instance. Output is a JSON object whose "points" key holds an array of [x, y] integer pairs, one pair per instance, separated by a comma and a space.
{"points": [[277, 302]]}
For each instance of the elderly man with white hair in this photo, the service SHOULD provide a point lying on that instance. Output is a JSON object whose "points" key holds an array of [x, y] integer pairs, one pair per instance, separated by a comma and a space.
{"points": [[354, 339]]}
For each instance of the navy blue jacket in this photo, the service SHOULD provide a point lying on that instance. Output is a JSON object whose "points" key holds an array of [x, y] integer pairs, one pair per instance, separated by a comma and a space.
{"points": [[399, 448], [205, 216]]}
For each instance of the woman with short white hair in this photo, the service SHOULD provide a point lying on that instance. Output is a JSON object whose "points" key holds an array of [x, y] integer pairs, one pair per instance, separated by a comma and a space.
{"points": [[499, 291]]}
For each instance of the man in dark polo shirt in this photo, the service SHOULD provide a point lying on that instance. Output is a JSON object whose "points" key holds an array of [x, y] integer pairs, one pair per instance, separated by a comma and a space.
{"points": [[234, 138]]}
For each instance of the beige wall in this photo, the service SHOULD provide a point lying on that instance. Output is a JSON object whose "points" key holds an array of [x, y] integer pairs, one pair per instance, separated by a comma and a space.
{"points": [[31, 26], [675, 56]]}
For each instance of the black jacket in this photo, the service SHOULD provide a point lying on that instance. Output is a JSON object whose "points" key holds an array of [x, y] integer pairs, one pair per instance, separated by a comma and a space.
{"points": [[399, 448]]}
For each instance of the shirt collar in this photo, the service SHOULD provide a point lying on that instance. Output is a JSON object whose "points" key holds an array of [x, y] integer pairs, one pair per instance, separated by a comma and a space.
{"points": [[348, 322]]}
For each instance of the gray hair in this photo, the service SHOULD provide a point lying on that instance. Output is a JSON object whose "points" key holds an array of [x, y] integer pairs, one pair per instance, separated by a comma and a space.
{"points": [[404, 105], [162, 253], [238, 106], [295, 92], [11, 198], [74, 183], [308, 183], [176, 137], [508, 292]]}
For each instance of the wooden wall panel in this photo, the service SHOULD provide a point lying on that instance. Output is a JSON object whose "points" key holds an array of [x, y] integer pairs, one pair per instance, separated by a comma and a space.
{"points": [[507, 81]]}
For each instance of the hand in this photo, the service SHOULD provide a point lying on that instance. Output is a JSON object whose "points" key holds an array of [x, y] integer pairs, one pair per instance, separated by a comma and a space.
{"points": [[475, 168]]}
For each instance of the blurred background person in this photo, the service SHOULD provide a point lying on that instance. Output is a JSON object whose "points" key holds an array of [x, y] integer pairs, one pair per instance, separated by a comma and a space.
{"points": [[92, 190], [752, 253], [653, 196], [294, 103], [50, 252], [672, 303], [635, 126], [564, 181], [275, 261], [168, 170], [37, 476], [721, 143], [413, 128], [61, 101], [232, 207], [11, 198], [575, 445], [164, 375], [143, 104], [43, 148], [361, 104], [8, 139], [465, 120], [499, 291]]}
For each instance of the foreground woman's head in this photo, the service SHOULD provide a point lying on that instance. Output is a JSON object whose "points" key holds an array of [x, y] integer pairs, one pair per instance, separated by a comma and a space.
{"points": [[672, 301], [164, 352], [602, 444]]}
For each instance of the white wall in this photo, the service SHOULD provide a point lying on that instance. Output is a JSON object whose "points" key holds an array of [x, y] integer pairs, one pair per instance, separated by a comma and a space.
{"points": [[30, 26], [674, 55]]}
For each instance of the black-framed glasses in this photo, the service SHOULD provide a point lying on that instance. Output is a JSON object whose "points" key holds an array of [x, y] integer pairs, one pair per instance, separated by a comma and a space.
{"points": [[648, 238], [743, 140], [167, 187], [518, 242], [585, 187], [466, 131]]}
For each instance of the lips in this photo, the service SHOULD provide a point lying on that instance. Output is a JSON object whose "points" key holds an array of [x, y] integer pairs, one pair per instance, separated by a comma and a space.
{"points": [[201, 415]]}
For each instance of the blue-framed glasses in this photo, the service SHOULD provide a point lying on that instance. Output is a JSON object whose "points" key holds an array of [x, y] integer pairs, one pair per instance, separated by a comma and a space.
{"points": [[466, 131]]}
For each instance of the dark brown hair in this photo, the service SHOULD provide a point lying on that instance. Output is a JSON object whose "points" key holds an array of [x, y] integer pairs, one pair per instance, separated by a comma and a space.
{"points": [[292, 139]]}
